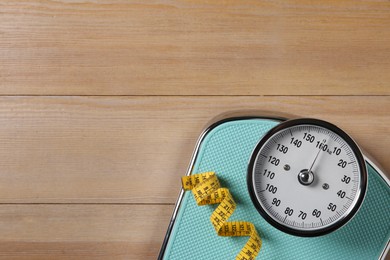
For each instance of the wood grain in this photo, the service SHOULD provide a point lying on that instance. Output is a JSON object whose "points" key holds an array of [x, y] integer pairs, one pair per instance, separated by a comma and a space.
{"points": [[82, 231], [105, 149], [168, 47], [98, 98]]}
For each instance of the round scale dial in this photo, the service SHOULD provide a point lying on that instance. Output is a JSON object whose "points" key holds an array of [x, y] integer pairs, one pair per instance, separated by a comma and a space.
{"points": [[307, 177]]}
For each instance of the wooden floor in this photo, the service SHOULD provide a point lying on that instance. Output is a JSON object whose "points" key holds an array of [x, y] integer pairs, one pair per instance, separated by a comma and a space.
{"points": [[101, 103]]}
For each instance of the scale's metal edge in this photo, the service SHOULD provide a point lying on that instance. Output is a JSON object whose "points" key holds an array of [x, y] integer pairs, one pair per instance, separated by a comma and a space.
{"points": [[248, 115]]}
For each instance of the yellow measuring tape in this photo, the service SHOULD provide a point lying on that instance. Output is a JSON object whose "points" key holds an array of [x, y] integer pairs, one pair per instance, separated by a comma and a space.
{"points": [[206, 190]]}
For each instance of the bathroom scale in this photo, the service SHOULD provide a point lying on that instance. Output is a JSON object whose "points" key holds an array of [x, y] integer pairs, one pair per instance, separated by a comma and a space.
{"points": [[308, 188]]}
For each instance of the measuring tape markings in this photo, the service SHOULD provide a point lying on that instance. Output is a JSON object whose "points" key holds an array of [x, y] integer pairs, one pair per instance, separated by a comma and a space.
{"points": [[206, 190]]}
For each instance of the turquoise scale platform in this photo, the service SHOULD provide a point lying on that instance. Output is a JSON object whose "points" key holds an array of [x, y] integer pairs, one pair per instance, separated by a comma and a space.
{"points": [[226, 149]]}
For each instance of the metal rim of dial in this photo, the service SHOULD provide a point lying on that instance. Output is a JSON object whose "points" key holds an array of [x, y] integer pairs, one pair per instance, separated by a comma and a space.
{"points": [[360, 193]]}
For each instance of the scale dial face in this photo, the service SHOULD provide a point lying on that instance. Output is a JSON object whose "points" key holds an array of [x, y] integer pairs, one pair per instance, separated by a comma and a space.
{"points": [[307, 177]]}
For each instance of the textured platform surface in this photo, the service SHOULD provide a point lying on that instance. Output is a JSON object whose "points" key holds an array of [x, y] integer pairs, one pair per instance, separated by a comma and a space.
{"points": [[226, 150]]}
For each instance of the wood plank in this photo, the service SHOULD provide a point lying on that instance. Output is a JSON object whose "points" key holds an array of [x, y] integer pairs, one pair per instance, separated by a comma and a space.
{"points": [[172, 47], [82, 231], [106, 149]]}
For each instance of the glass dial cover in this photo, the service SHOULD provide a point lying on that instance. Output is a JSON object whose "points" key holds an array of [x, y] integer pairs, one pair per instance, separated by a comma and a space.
{"points": [[307, 177]]}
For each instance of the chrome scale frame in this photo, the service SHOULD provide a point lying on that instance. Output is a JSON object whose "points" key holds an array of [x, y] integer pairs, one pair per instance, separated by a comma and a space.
{"points": [[250, 115]]}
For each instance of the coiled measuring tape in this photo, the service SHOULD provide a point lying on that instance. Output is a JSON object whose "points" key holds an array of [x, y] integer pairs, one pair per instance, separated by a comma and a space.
{"points": [[206, 190]]}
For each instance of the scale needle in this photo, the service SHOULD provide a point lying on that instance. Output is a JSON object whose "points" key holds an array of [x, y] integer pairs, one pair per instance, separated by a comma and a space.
{"points": [[315, 159]]}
